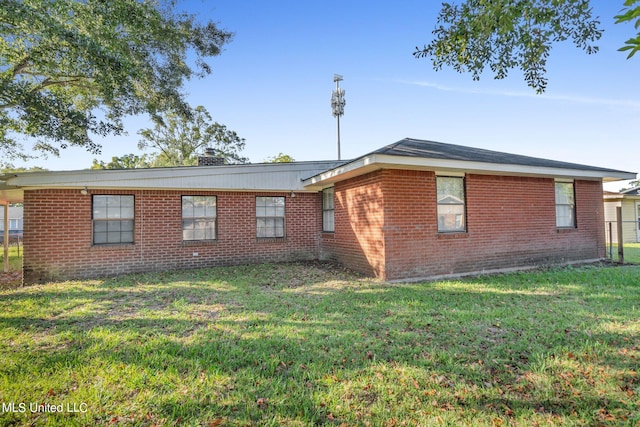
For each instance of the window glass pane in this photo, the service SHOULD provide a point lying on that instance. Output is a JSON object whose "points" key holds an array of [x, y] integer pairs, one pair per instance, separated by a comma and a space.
{"points": [[327, 221], [113, 202], [115, 230], [450, 190], [328, 209], [99, 238], [565, 216], [198, 234], [187, 234], [210, 207], [565, 204], [187, 206], [327, 198], [270, 212], [100, 201], [99, 226], [126, 212], [262, 227], [198, 214], [451, 218], [564, 193], [279, 227], [126, 201], [99, 212], [451, 204], [209, 230]]}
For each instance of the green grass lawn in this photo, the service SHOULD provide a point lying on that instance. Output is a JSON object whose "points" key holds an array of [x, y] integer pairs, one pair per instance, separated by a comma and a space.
{"points": [[15, 257], [13, 278], [631, 253], [308, 344]]}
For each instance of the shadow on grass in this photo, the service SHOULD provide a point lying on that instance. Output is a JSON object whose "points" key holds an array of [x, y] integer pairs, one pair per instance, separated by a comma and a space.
{"points": [[306, 344]]}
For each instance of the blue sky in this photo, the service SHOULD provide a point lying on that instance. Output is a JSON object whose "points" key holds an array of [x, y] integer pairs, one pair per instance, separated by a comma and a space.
{"points": [[273, 83]]}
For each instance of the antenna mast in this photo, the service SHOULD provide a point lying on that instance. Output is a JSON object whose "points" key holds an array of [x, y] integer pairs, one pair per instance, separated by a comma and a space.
{"points": [[337, 105]]}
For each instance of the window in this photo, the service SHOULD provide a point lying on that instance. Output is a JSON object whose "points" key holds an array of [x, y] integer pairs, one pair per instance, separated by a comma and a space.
{"points": [[112, 219], [199, 218], [565, 205], [270, 217], [451, 206], [327, 210]]}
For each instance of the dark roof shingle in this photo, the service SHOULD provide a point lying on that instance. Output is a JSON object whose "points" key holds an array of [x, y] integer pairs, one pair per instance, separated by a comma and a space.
{"points": [[410, 147]]}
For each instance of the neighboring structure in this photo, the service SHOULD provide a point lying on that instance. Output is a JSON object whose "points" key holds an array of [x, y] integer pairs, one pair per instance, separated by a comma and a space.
{"points": [[15, 221], [629, 200], [411, 209]]}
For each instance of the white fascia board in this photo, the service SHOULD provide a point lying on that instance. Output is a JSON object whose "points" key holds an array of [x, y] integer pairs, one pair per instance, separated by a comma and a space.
{"points": [[442, 166]]}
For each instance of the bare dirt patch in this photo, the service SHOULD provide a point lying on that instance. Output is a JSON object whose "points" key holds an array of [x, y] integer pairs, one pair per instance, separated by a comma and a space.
{"points": [[12, 279]]}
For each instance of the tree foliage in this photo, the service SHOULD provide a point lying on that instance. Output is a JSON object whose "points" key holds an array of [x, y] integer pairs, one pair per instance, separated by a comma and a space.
{"points": [[128, 161], [508, 34], [631, 13], [9, 168], [176, 140], [72, 69], [280, 158]]}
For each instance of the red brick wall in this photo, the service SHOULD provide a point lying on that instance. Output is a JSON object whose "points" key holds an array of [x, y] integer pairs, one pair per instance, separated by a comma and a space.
{"points": [[58, 234], [385, 225], [358, 241], [510, 223]]}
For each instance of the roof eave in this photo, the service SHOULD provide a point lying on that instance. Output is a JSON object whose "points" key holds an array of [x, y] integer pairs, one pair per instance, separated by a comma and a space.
{"points": [[382, 161], [253, 177]]}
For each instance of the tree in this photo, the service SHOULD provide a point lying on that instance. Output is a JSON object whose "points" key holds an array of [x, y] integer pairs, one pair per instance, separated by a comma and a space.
{"points": [[9, 168], [177, 140], [128, 161], [280, 158], [70, 69], [507, 34]]}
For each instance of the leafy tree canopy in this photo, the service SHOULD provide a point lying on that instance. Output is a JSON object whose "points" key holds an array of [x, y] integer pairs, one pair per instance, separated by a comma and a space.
{"points": [[9, 168], [177, 140], [128, 161], [280, 158], [70, 69], [508, 34]]}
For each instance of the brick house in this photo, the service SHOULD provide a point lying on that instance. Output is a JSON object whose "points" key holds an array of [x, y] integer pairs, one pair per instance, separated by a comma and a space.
{"points": [[411, 209]]}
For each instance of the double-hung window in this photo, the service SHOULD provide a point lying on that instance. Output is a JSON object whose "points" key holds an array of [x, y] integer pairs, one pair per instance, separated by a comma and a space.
{"points": [[270, 217], [199, 217], [113, 218], [451, 204], [565, 205], [328, 210]]}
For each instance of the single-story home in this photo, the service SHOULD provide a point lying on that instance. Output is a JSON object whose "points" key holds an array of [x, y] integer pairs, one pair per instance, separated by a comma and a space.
{"points": [[14, 221], [629, 201], [411, 209]]}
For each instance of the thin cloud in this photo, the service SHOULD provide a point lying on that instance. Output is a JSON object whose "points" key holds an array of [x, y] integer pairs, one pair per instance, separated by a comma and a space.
{"points": [[565, 98]]}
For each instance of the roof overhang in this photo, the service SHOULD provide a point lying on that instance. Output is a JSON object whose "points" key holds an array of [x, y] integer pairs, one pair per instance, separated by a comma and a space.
{"points": [[266, 177], [10, 194], [374, 162]]}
